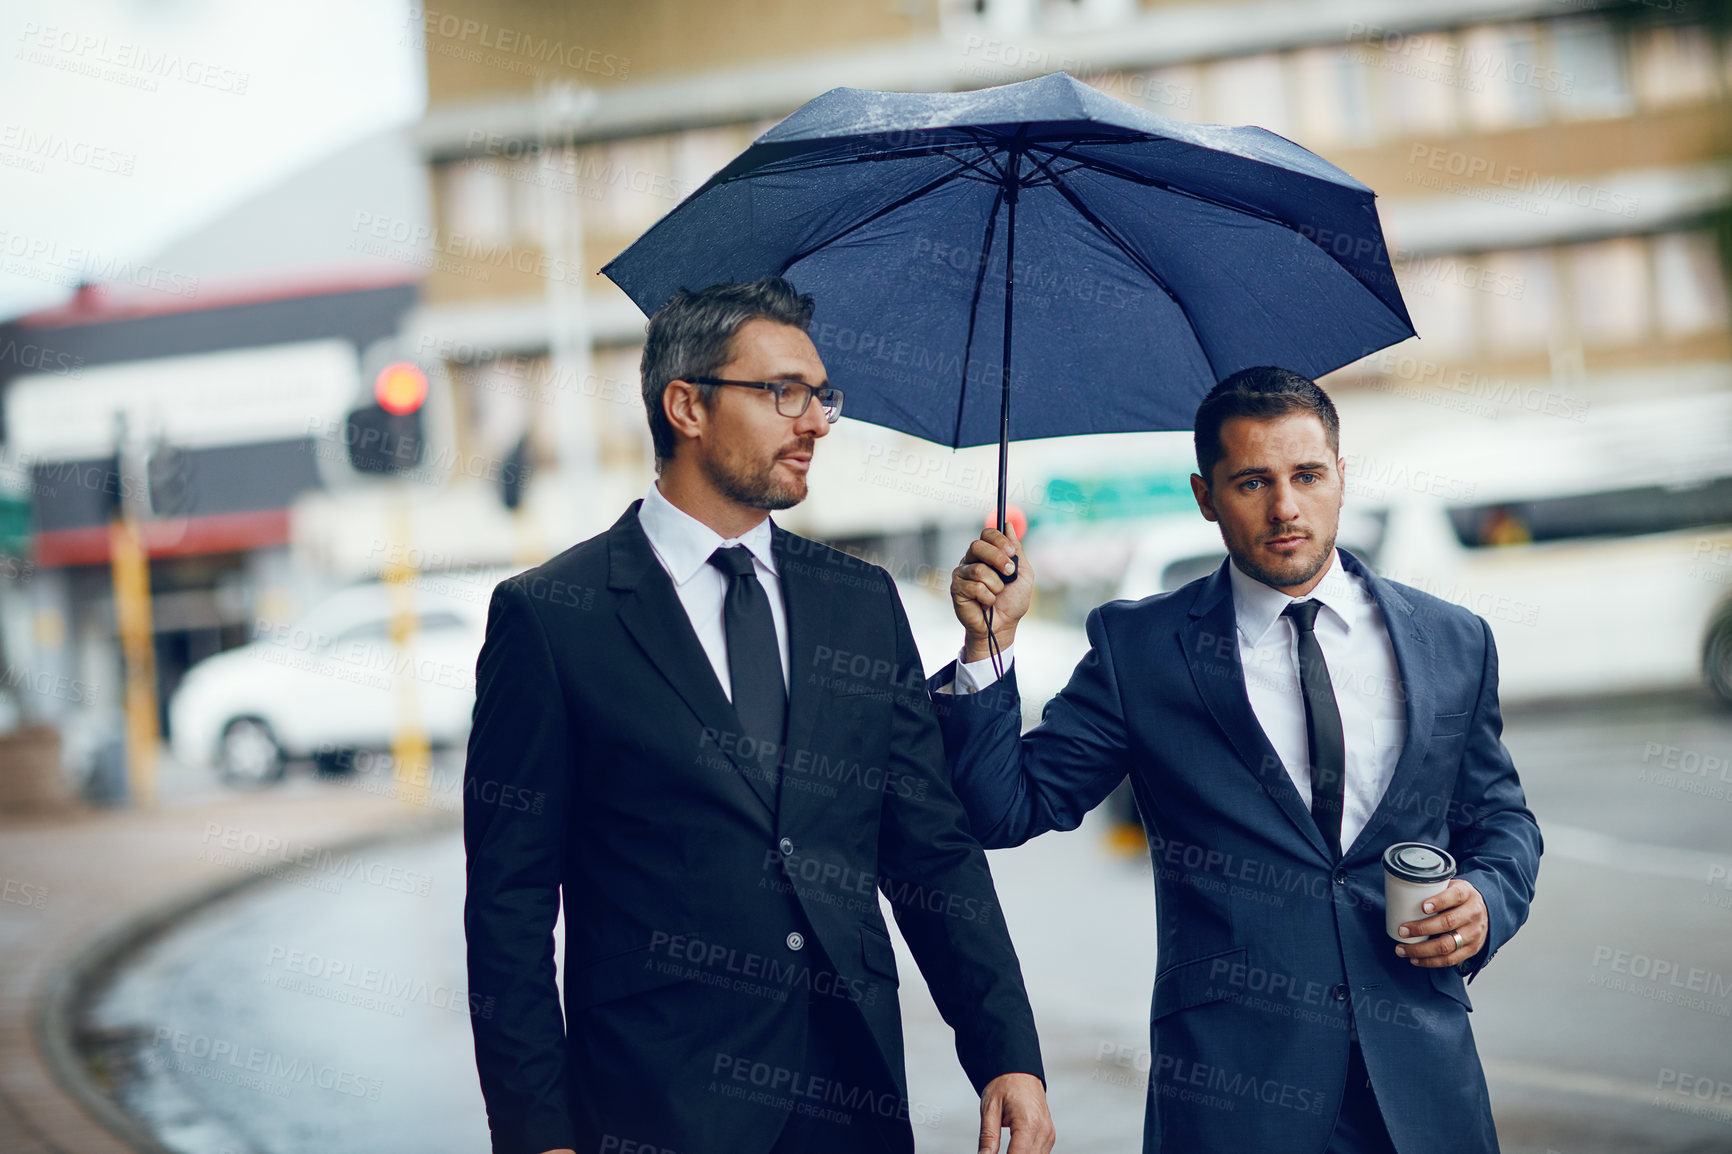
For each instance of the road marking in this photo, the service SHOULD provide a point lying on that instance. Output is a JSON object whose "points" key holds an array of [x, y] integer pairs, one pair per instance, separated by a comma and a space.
{"points": [[1637, 857], [1602, 1086]]}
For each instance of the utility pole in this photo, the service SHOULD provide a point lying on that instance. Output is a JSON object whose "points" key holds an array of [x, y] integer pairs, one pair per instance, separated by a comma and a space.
{"points": [[129, 567]]}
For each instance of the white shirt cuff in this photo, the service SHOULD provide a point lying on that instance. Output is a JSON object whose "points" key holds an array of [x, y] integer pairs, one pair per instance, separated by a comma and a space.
{"points": [[973, 676]]}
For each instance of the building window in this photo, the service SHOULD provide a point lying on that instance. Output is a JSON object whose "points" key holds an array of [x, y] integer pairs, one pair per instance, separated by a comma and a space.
{"points": [[1249, 90], [1516, 325], [1503, 83], [1675, 65], [1609, 281], [1419, 85], [1689, 288], [1441, 292], [477, 197], [1331, 100], [1172, 91], [1588, 79]]}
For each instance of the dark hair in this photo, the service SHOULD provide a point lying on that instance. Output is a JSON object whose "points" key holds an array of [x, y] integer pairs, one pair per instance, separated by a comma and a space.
{"points": [[692, 334], [1261, 393]]}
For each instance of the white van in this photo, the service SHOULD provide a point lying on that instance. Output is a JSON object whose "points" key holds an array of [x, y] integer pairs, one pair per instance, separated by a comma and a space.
{"points": [[1600, 550]]}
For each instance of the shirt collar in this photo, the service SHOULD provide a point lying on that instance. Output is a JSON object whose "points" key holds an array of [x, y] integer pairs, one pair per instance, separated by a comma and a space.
{"points": [[1256, 605], [684, 544]]}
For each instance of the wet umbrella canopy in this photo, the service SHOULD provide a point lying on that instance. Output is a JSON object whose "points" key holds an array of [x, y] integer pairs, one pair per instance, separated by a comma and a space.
{"points": [[1037, 259]]}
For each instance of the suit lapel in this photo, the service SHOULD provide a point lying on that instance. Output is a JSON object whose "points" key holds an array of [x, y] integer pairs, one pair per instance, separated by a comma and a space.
{"points": [[1412, 657], [1211, 641], [806, 600], [651, 612]]}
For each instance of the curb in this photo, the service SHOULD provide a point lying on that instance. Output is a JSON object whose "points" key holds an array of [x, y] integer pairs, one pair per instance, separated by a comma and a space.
{"points": [[64, 993]]}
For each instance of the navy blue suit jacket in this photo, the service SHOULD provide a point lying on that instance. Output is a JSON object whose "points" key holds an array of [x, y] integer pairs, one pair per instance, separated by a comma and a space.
{"points": [[1269, 947]]}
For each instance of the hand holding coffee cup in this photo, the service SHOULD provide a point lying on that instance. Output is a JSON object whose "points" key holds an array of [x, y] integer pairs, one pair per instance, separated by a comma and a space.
{"points": [[1440, 918]]}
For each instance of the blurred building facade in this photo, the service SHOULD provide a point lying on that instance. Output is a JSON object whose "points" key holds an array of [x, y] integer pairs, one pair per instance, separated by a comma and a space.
{"points": [[204, 389], [1548, 176]]}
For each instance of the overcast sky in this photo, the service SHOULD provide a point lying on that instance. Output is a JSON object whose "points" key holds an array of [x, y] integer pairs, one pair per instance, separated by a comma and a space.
{"points": [[124, 124]]}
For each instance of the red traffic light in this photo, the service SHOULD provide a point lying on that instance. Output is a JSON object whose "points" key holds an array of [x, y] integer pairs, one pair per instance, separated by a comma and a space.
{"points": [[400, 387]]}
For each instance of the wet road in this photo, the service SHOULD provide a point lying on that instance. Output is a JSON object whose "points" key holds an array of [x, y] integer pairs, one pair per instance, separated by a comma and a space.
{"points": [[1606, 1025]]}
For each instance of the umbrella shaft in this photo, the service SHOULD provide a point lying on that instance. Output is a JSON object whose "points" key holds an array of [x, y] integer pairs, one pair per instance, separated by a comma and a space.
{"points": [[1012, 177]]}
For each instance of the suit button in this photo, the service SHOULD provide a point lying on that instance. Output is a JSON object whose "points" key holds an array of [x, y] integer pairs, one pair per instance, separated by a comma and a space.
{"points": [[1340, 993], [1340, 877], [796, 941], [786, 845]]}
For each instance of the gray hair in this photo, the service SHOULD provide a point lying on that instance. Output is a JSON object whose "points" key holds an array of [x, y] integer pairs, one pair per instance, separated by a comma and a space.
{"points": [[691, 336]]}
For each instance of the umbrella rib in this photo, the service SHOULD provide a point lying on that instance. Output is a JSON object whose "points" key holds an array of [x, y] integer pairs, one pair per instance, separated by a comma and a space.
{"points": [[780, 167], [1122, 173], [923, 190], [974, 314], [1130, 253], [1109, 169]]}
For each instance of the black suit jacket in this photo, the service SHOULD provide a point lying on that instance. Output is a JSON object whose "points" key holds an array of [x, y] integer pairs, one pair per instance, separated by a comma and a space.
{"points": [[604, 765]]}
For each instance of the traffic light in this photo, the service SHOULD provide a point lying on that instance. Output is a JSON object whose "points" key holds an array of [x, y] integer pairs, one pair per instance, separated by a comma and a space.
{"points": [[386, 436]]}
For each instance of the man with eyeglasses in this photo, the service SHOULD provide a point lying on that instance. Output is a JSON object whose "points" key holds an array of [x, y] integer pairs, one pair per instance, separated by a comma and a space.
{"points": [[719, 751]]}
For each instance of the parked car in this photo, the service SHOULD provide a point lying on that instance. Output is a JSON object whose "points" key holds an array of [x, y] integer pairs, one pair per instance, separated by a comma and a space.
{"points": [[336, 681], [1598, 550]]}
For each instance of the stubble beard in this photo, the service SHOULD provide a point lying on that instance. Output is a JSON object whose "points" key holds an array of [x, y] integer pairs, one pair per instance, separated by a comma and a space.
{"points": [[755, 485], [1297, 571]]}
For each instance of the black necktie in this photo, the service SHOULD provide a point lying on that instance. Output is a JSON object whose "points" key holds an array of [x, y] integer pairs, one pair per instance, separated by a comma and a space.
{"points": [[1323, 740], [754, 657]]}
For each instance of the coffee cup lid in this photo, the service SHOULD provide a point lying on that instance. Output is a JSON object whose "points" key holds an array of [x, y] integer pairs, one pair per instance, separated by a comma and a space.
{"points": [[1414, 861]]}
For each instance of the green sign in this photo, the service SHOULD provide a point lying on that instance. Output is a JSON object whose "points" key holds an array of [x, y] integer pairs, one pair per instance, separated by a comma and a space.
{"points": [[14, 525], [1107, 498]]}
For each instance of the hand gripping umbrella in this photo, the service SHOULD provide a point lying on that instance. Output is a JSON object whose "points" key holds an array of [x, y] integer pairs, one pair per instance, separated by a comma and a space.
{"points": [[1123, 261]]}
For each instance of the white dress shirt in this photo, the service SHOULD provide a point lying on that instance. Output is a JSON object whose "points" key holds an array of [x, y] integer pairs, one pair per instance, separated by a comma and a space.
{"points": [[1362, 668], [683, 545]]}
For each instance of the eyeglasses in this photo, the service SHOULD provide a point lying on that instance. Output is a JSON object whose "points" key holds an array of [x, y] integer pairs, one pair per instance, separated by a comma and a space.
{"points": [[792, 397]]}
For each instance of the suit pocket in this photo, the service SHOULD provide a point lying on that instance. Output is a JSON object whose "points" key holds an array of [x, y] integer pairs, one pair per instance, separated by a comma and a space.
{"points": [[1449, 981], [877, 952], [1449, 724], [621, 975], [1197, 982]]}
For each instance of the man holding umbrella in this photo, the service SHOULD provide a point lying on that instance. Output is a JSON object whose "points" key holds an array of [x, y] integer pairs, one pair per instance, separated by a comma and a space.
{"points": [[1283, 721], [711, 746]]}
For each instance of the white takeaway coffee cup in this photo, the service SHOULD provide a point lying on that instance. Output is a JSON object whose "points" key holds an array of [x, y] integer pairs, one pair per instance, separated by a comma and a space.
{"points": [[1412, 872]]}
